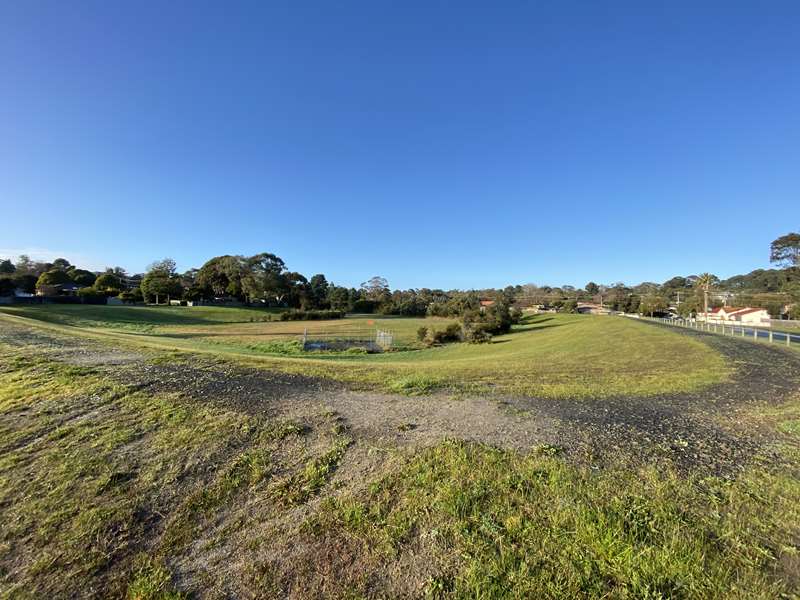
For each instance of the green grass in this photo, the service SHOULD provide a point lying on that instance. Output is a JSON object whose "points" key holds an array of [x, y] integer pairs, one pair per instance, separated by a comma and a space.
{"points": [[137, 318], [553, 356], [497, 524], [87, 465], [109, 488]]}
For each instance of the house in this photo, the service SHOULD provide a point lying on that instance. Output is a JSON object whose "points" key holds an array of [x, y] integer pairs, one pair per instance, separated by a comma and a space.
{"points": [[758, 317], [592, 308], [486, 304], [59, 289]]}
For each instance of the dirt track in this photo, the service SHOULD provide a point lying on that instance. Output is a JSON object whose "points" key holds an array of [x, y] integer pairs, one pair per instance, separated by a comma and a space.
{"points": [[699, 430]]}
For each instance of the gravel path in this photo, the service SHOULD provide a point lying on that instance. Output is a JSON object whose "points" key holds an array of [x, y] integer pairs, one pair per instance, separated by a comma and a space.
{"points": [[691, 431]]}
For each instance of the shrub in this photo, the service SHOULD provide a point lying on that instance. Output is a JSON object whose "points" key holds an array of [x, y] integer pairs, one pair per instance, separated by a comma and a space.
{"points": [[477, 333], [311, 315], [453, 332], [131, 296], [7, 286], [433, 337], [364, 306], [422, 333]]}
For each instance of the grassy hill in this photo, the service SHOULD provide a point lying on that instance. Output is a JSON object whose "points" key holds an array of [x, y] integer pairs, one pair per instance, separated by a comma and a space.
{"points": [[547, 355]]}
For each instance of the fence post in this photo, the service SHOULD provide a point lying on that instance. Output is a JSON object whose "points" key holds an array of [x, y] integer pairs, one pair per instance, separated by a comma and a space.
{"points": [[755, 334], [770, 336], [788, 339]]}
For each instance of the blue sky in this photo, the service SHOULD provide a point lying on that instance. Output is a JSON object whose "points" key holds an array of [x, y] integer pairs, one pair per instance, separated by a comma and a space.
{"points": [[437, 144]]}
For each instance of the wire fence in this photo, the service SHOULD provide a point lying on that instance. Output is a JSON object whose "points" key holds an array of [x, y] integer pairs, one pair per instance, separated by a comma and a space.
{"points": [[752, 332], [376, 340]]}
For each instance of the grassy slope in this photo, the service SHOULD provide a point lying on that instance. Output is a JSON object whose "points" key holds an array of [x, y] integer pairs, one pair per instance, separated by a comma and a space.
{"points": [[108, 488], [551, 356], [135, 318], [502, 525], [101, 484]]}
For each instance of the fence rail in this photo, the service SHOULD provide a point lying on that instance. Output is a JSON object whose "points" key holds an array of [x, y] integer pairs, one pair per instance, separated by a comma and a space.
{"points": [[733, 329]]}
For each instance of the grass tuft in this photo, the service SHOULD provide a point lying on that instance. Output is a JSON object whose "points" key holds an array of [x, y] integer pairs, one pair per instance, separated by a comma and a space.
{"points": [[414, 385]]}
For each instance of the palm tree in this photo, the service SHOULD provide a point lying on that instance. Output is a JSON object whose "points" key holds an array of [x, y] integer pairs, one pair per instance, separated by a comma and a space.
{"points": [[705, 282]]}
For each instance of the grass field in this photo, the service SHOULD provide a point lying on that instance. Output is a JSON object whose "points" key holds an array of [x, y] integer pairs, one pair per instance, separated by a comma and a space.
{"points": [[552, 356], [112, 487]]}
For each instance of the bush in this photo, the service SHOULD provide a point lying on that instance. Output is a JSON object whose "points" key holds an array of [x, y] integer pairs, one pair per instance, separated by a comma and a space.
{"points": [[131, 296], [90, 295], [433, 337], [453, 332], [477, 333], [7, 286], [569, 306], [311, 315], [422, 333], [364, 306], [794, 311]]}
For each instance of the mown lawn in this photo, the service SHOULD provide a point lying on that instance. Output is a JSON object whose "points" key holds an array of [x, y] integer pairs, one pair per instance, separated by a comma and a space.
{"points": [[553, 356], [137, 318], [110, 490]]}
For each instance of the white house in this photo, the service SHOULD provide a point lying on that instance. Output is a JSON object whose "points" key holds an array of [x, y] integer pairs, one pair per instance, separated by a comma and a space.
{"points": [[757, 317]]}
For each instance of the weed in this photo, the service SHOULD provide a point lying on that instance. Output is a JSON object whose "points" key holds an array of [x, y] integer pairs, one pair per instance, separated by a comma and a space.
{"points": [[414, 385]]}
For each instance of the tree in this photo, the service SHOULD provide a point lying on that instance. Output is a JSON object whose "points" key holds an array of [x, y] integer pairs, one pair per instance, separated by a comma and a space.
{"points": [[268, 276], [376, 289], [786, 250], [652, 304], [223, 275], [25, 264], [131, 296], [7, 286], [61, 263], [161, 280], [339, 297], [51, 278], [296, 290], [82, 277], [318, 291], [592, 288], [705, 282], [25, 282], [107, 282], [7, 267]]}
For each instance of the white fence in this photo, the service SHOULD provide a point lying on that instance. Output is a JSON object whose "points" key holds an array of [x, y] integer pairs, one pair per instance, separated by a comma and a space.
{"points": [[734, 329]]}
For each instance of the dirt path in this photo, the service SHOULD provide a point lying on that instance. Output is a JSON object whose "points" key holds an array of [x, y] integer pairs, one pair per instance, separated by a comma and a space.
{"points": [[697, 430]]}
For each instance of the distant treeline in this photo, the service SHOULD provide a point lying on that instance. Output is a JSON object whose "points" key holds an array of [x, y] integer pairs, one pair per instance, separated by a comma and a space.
{"points": [[265, 280]]}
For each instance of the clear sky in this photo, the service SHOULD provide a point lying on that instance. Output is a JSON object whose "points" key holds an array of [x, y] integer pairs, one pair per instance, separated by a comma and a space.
{"points": [[439, 144]]}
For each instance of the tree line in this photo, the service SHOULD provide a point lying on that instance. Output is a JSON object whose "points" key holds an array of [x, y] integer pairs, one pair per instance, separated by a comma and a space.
{"points": [[264, 279]]}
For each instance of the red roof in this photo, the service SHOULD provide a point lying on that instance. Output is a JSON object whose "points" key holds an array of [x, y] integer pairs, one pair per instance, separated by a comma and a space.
{"points": [[487, 302]]}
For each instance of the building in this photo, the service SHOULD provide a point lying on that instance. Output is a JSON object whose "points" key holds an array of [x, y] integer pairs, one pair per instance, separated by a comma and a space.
{"points": [[757, 317], [591, 308], [59, 289]]}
